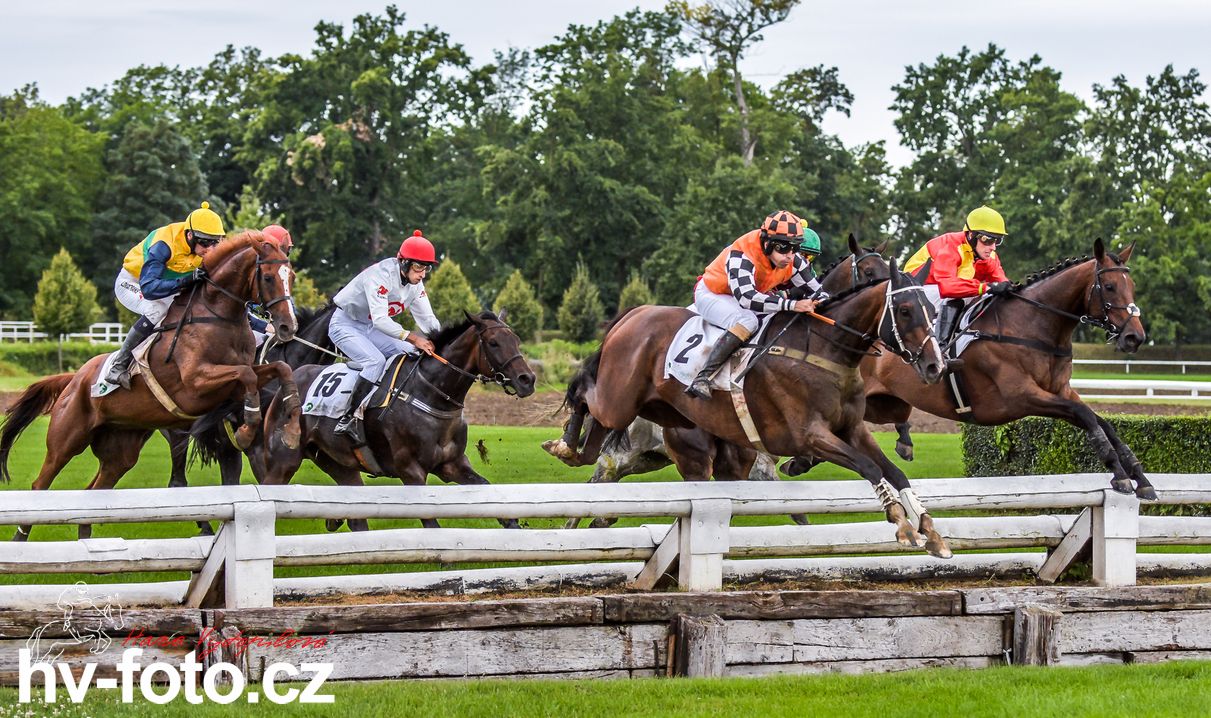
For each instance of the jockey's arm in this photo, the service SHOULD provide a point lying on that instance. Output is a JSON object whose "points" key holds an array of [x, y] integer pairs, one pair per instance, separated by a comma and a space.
{"points": [[804, 283], [152, 283], [422, 312], [991, 270], [379, 316], [740, 279], [945, 274]]}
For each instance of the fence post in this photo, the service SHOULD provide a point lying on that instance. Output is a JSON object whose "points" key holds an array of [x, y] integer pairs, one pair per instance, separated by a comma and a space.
{"points": [[1116, 528], [704, 539], [250, 550]]}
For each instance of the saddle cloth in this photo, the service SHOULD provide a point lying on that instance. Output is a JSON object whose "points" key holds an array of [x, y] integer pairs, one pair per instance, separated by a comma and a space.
{"points": [[102, 387], [329, 394], [692, 345]]}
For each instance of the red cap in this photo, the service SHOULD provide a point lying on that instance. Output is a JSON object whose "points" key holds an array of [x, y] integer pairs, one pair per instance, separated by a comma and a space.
{"points": [[418, 249], [279, 235]]}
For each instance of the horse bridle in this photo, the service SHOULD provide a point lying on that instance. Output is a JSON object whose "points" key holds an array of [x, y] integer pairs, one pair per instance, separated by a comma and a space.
{"points": [[853, 268], [498, 375], [898, 346], [1103, 322], [260, 262]]}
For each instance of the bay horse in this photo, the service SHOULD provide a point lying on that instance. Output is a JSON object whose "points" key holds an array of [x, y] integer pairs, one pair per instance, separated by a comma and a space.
{"points": [[806, 398], [201, 359], [698, 455], [1021, 362], [310, 345], [421, 430]]}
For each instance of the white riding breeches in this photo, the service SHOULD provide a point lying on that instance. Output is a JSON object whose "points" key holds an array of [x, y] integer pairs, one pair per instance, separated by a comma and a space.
{"points": [[364, 345], [126, 288], [723, 310]]}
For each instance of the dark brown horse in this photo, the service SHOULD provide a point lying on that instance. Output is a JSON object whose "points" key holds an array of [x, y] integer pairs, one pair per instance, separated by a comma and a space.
{"points": [[421, 430], [805, 398], [201, 359], [1021, 363], [697, 454]]}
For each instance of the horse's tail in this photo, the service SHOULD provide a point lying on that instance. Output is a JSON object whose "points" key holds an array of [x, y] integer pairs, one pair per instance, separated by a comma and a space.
{"points": [[587, 374], [33, 402], [209, 433]]}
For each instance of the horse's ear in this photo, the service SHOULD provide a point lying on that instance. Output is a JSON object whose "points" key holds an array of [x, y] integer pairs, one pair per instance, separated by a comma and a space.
{"points": [[470, 317], [503, 313], [881, 247], [1099, 249], [853, 245], [1126, 253], [895, 273]]}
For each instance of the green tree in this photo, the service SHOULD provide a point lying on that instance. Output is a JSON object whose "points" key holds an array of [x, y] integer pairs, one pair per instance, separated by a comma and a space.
{"points": [[450, 293], [636, 293], [152, 179], [50, 171], [305, 293], [249, 213], [581, 313], [525, 311], [66, 301]]}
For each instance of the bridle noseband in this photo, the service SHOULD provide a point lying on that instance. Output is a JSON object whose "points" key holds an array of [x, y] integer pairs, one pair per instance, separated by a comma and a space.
{"points": [[498, 375], [898, 345]]}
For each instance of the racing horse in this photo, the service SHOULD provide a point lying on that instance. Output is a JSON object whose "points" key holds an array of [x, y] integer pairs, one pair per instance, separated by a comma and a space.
{"points": [[1020, 363], [310, 345], [648, 448], [414, 427], [804, 396], [201, 357]]}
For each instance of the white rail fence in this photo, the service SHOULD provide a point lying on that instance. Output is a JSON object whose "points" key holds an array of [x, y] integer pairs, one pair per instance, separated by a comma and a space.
{"points": [[1128, 363], [1142, 389], [238, 563], [98, 333]]}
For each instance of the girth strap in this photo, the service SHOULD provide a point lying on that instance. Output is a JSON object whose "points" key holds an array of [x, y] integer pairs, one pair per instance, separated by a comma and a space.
{"points": [[162, 396], [746, 418], [850, 376], [1034, 344]]}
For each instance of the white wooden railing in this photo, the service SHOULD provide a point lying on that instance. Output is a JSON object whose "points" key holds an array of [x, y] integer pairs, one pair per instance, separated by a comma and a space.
{"points": [[98, 332], [1128, 363], [239, 561], [1142, 389]]}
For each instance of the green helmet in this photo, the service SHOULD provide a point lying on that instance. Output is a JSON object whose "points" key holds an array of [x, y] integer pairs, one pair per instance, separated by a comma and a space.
{"points": [[811, 242]]}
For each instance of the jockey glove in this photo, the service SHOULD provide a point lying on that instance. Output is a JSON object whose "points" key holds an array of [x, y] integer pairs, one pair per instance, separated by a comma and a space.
{"points": [[1000, 288]]}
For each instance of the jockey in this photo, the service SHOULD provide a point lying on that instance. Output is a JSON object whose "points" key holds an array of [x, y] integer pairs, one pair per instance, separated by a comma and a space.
{"points": [[362, 327], [737, 286], [280, 236], [963, 265], [156, 270]]}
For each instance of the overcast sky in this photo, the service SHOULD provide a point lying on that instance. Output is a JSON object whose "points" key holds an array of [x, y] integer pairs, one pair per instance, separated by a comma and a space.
{"points": [[66, 46]]}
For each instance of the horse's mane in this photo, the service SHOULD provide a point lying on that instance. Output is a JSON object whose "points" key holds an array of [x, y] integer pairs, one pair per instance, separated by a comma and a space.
{"points": [[230, 246], [454, 331], [836, 263], [846, 293], [1060, 266]]}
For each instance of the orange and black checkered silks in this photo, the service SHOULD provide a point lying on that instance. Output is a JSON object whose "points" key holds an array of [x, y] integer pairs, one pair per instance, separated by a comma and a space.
{"points": [[782, 224]]}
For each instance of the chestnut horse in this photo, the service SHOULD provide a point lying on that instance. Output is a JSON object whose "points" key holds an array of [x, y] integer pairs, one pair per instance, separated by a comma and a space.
{"points": [[421, 431], [1021, 362], [805, 398], [698, 455], [201, 359]]}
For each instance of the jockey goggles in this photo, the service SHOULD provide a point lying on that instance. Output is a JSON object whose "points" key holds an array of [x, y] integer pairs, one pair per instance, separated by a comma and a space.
{"points": [[410, 264], [783, 247], [990, 240], [204, 240]]}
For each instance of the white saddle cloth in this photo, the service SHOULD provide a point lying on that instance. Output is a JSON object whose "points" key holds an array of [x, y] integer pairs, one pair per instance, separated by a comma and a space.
{"points": [[692, 345]]}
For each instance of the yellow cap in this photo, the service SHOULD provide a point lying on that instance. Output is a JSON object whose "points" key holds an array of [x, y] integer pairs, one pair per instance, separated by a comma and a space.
{"points": [[986, 219], [205, 221]]}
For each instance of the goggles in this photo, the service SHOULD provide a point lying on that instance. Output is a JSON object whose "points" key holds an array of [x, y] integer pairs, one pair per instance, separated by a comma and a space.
{"points": [[990, 240]]}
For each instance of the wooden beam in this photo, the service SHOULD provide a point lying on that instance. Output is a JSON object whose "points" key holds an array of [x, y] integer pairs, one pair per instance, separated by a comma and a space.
{"points": [[703, 541], [1075, 541], [206, 586], [1036, 636], [1115, 531], [248, 556], [699, 646], [780, 605], [661, 561], [1073, 599]]}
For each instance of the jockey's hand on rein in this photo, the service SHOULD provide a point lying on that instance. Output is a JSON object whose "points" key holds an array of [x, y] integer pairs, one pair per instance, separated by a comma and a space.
{"points": [[1000, 288]]}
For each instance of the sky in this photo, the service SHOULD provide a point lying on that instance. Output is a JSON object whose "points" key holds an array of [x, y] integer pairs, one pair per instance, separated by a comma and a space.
{"points": [[66, 47]]}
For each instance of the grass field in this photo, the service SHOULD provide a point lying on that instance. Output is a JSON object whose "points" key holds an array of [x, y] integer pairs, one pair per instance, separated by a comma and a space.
{"points": [[514, 456], [1157, 691]]}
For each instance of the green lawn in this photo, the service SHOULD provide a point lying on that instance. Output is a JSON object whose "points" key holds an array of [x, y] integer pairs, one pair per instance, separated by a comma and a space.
{"points": [[1172, 689]]}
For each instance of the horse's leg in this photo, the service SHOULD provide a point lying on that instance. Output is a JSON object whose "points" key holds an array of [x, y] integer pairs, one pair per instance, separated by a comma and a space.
{"points": [[934, 543], [1079, 414], [178, 450], [344, 476], [460, 471], [904, 441], [117, 452], [64, 441], [830, 447], [737, 463], [1143, 487], [888, 409], [289, 397]]}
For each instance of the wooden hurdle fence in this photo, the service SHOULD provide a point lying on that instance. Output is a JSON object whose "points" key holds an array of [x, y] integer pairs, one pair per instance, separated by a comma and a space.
{"points": [[700, 549]]}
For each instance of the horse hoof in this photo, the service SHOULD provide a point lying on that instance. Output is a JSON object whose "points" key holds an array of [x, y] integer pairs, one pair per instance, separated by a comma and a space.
{"points": [[290, 439], [1122, 486], [904, 451], [20, 536], [560, 450], [572, 524], [936, 546], [1145, 493], [333, 524], [602, 523], [244, 437], [800, 519], [909, 538]]}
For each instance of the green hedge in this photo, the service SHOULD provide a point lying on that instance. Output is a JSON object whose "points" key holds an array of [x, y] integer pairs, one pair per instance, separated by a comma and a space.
{"points": [[43, 357], [1164, 444]]}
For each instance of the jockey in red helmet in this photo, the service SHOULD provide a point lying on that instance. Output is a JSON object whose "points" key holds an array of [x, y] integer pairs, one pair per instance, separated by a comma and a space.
{"points": [[362, 327]]}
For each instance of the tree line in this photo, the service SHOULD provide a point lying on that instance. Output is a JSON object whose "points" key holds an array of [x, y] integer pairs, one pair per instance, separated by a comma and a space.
{"points": [[625, 154]]}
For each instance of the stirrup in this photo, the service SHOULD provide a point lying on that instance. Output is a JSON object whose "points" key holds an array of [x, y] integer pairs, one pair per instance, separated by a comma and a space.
{"points": [[697, 392], [351, 427], [121, 377]]}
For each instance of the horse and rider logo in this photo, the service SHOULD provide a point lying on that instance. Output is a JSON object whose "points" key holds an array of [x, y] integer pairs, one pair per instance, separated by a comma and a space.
{"points": [[86, 621]]}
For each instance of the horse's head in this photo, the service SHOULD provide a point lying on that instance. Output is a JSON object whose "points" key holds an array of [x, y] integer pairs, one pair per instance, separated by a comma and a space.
{"points": [[247, 268], [907, 326], [1112, 298], [499, 355], [862, 265]]}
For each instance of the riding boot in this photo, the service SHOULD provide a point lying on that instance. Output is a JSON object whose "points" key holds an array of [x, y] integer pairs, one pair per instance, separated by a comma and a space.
{"points": [[119, 370], [700, 388], [948, 320], [350, 424]]}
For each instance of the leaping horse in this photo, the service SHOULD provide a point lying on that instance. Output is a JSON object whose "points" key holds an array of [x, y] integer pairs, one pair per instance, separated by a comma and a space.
{"points": [[201, 359], [807, 398]]}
